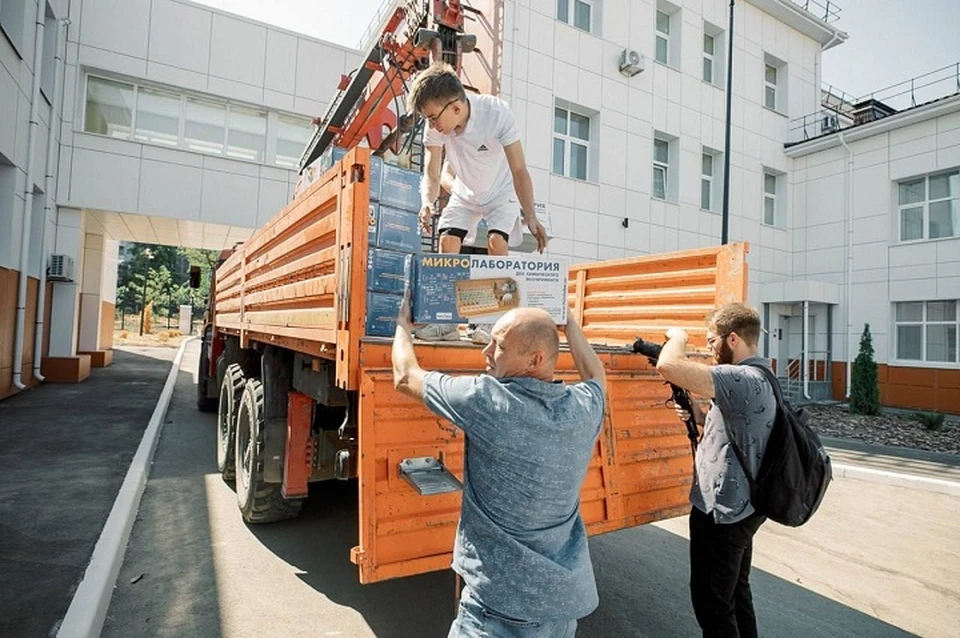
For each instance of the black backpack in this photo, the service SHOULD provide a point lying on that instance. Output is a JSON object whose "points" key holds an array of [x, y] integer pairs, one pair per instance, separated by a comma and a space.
{"points": [[795, 470]]}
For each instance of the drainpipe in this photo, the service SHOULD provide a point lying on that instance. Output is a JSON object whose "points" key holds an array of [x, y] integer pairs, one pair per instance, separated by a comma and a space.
{"points": [[18, 335], [48, 199], [849, 206], [806, 349]]}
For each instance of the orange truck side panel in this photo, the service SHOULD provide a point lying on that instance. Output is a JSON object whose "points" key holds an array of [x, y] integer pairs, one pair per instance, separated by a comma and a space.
{"points": [[641, 470]]}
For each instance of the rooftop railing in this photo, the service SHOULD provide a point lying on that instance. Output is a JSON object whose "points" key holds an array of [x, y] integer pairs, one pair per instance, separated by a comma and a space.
{"points": [[841, 110], [826, 10]]}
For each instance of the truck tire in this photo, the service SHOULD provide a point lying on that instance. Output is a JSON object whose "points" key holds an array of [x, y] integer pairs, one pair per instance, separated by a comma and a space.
{"points": [[204, 403], [259, 501], [231, 390]]}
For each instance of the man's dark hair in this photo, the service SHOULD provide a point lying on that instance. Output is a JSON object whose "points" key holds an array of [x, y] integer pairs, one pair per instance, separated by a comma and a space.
{"points": [[436, 83], [739, 318]]}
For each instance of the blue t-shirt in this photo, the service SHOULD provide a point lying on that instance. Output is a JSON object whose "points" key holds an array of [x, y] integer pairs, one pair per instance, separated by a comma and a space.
{"points": [[521, 544]]}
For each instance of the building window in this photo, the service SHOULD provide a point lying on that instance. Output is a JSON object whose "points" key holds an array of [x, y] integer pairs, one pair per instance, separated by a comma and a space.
{"points": [[774, 83], [109, 108], [49, 53], [709, 44], [770, 86], [168, 118], [706, 181], [771, 187], [579, 13], [927, 331], [929, 207], [661, 168], [246, 133], [571, 143], [663, 37], [158, 117], [292, 137]]}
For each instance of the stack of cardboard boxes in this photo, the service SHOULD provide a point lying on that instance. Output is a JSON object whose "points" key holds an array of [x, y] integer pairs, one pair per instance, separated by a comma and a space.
{"points": [[393, 235]]}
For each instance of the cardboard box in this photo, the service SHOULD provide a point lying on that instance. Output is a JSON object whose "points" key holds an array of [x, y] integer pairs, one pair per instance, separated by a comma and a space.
{"points": [[376, 177], [397, 229], [400, 188], [481, 288], [382, 309], [386, 270]]}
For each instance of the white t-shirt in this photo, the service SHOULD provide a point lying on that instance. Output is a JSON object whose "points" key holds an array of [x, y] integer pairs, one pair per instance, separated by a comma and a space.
{"points": [[476, 154]]}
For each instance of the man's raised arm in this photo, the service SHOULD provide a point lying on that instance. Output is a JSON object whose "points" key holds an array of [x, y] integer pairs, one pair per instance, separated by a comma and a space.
{"points": [[588, 363]]}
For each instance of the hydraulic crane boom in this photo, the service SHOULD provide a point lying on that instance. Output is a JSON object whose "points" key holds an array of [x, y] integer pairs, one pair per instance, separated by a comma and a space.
{"points": [[415, 33]]}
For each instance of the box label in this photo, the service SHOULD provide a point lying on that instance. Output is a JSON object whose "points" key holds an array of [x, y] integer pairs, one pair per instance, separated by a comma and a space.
{"points": [[481, 288]]}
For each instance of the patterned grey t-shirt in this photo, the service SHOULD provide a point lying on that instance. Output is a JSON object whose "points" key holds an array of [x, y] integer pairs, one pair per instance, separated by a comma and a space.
{"points": [[521, 544], [745, 400]]}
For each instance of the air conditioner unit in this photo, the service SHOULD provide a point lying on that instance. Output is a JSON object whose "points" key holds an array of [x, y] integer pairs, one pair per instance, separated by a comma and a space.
{"points": [[631, 62], [61, 268]]}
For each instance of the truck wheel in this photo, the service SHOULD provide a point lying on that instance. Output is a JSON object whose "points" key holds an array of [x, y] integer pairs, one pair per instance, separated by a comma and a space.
{"points": [[231, 389], [259, 501], [204, 403]]}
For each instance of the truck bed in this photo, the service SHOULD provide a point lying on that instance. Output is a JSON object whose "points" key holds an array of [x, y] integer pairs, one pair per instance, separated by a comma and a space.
{"points": [[300, 283]]}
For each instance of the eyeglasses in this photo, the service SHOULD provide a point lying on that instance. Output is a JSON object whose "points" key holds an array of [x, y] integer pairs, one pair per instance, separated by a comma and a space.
{"points": [[433, 118]]}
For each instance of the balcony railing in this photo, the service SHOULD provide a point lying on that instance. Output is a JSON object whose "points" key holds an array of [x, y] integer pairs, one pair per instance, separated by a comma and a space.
{"points": [[841, 111], [376, 24], [826, 10]]}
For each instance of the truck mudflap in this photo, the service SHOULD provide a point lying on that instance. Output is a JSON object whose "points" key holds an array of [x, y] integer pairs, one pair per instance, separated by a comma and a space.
{"points": [[641, 471]]}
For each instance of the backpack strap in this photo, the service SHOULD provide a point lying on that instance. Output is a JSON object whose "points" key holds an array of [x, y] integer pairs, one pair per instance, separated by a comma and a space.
{"points": [[778, 395]]}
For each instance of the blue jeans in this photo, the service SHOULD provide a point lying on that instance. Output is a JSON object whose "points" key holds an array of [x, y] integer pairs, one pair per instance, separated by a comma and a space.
{"points": [[476, 621]]}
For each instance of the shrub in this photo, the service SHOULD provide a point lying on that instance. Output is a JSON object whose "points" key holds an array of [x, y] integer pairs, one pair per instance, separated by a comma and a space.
{"points": [[932, 421], [864, 389]]}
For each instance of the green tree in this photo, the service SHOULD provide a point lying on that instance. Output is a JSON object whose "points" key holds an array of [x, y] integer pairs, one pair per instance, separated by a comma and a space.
{"points": [[864, 388]]}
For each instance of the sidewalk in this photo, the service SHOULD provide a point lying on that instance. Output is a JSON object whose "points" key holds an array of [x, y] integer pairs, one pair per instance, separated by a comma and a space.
{"points": [[898, 460], [64, 452]]}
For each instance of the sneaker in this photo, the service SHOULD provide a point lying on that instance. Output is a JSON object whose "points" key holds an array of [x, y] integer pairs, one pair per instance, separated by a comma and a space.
{"points": [[480, 334], [438, 332]]}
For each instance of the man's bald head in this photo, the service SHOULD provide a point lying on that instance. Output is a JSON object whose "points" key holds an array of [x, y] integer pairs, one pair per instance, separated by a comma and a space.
{"points": [[524, 343], [536, 330]]}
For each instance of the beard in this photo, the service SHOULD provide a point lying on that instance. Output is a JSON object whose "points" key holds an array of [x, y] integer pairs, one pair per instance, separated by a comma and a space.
{"points": [[725, 355]]}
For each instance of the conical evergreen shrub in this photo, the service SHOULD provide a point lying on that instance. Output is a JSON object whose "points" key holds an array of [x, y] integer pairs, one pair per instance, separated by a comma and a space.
{"points": [[864, 388]]}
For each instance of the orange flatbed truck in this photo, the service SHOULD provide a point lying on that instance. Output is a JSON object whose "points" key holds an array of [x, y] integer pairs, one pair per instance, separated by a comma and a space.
{"points": [[303, 395]]}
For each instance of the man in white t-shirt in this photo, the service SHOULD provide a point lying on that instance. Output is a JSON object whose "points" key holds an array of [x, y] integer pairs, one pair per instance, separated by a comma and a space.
{"points": [[485, 158]]}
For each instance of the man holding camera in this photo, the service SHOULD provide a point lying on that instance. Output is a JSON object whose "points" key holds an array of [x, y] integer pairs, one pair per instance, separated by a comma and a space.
{"points": [[722, 519]]}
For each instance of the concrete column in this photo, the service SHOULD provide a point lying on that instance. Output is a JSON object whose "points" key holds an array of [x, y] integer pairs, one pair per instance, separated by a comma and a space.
{"points": [[89, 339], [64, 307]]}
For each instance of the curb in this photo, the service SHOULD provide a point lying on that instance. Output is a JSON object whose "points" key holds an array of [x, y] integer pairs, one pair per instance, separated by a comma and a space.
{"points": [[88, 609], [897, 479]]}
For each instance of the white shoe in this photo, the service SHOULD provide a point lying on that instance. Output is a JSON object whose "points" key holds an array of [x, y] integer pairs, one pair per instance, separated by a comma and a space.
{"points": [[438, 332], [480, 334]]}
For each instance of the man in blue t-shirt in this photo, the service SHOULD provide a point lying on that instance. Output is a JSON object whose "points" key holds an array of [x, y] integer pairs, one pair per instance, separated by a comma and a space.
{"points": [[521, 545]]}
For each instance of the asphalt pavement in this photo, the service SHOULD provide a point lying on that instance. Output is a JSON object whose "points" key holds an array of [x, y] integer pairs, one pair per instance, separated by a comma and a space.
{"points": [[879, 559], [64, 451]]}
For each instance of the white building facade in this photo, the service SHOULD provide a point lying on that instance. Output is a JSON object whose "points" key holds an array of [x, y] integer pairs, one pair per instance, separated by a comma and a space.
{"points": [[180, 125], [176, 124]]}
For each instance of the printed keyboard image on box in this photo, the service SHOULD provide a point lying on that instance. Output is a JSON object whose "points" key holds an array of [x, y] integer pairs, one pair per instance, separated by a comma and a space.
{"points": [[477, 297]]}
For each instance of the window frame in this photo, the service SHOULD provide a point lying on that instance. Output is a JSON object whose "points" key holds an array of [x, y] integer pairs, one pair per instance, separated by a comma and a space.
{"points": [[267, 153], [569, 140], [773, 197], [925, 205], [709, 179], [924, 324], [569, 13], [661, 35], [770, 86], [664, 167], [709, 57]]}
